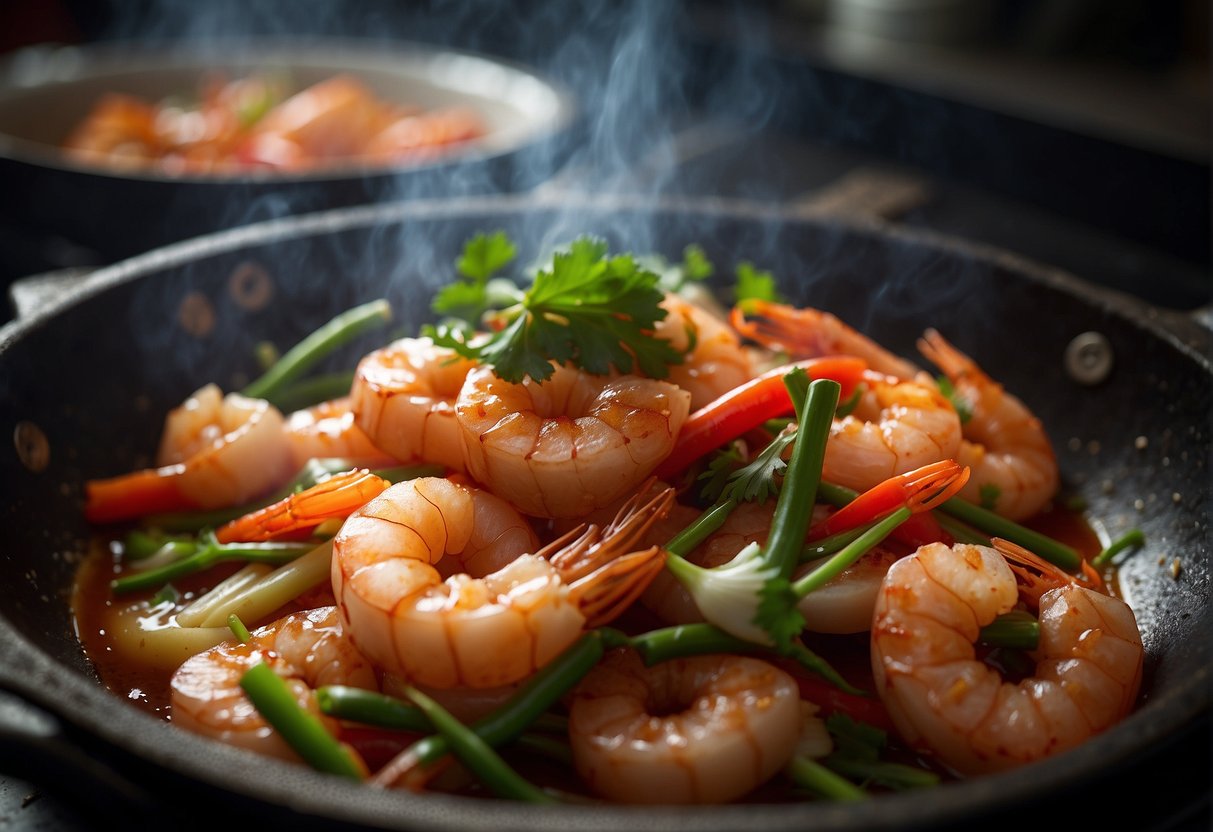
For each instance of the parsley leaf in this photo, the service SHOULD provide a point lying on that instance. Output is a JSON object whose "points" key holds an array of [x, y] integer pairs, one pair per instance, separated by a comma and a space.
{"points": [[753, 284], [593, 310]]}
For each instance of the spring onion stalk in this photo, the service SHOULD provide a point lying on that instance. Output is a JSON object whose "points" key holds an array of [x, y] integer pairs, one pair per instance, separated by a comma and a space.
{"points": [[198, 609], [1054, 551], [314, 390], [477, 755], [961, 532], [140, 545], [209, 553], [850, 553], [541, 745], [699, 530], [280, 587], [370, 708], [743, 597], [683, 640], [527, 703], [304, 355], [267, 354], [812, 775], [1130, 539], [893, 775], [171, 552], [237, 627], [302, 731], [829, 545], [1017, 629]]}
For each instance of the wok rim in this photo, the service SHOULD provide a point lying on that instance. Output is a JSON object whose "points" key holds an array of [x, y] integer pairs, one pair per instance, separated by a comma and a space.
{"points": [[40, 677], [110, 56]]}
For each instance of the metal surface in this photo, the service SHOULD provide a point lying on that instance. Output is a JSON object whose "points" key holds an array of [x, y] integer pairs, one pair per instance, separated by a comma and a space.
{"points": [[1135, 448]]}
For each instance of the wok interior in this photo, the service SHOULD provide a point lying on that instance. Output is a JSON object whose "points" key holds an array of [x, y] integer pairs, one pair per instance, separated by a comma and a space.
{"points": [[97, 377], [516, 106]]}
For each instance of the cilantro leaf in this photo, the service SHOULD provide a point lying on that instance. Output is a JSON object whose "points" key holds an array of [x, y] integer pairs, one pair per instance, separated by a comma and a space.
{"points": [[482, 257], [753, 284], [595, 311], [720, 470], [695, 264], [857, 755]]}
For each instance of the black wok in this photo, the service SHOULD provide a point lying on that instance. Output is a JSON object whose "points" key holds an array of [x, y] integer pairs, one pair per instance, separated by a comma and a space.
{"points": [[93, 373], [103, 213]]}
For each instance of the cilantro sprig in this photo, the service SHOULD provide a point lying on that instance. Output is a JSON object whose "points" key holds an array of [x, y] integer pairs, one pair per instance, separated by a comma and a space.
{"points": [[594, 310]]}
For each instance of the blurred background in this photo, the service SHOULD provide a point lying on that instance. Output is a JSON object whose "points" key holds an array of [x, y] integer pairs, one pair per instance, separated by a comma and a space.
{"points": [[1075, 132]]}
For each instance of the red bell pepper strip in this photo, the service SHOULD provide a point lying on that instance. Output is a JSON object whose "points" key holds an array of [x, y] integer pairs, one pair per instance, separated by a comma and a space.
{"points": [[746, 407], [149, 491]]}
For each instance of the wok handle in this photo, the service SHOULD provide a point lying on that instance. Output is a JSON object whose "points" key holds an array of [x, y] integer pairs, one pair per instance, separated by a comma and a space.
{"points": [[34, 747]]}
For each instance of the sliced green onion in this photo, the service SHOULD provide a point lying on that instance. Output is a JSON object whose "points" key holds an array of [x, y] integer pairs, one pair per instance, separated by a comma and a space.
{"points": [[304, 355], [850, 553], [1130, 539], [893, 775], [302, 731], [210, 553], [1054, 551], [541, 745], [699, 530], [961, 532], [477, 755], [237, 626], [314, 390], [140, 545], [1017, 629], [370, 708], [812, 775], [829, 545]]}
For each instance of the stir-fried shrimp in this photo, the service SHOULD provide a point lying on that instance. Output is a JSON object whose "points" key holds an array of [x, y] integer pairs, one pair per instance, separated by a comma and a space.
{"points": [[215, 451], [575, 443], [478, 631], [403, 397], [714, 361], [1014, 468], [897, 426], [706, 729], [941, 696], [329, 430], [805, 332], [307, 649]]}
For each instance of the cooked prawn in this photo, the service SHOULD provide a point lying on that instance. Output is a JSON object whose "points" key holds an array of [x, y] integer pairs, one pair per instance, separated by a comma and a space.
{"points": [[940, 696], [808, 333], [307, 649], [572, 444], [403, 397], [706, 729], [1014, 467], [897, 426], [329, 430], [336, 496], [714, 361], [216, 451], [478, 631]]}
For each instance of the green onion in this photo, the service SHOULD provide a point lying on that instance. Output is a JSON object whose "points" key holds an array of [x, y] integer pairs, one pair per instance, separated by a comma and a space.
{"points": [[527, 703], [209, 553], [477, 755], [894, 775], [238, 628], [850, 553], [699, 530], [168, 594], [812, 775], [302, 731], [1017, 629], [314, 390], [683, 640], [539, 745], [995, 525], [829, 545], [370, 708], [961, 532], [304, 355], [140, 545], [1130, 539]]}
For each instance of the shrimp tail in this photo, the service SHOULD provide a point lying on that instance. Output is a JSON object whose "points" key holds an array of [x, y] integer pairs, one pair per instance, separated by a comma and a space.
{"points": [[1036, 576], [954, 363], [336, 496], [594, 547], [611, 588]]}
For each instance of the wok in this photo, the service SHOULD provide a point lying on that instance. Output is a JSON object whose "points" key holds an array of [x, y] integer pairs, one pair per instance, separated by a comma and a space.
{"points": [[111, 213], [85, 382]]}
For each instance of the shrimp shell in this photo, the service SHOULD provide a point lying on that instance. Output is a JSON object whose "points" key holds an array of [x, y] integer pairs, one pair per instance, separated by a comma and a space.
{"points": [[715, 362]]}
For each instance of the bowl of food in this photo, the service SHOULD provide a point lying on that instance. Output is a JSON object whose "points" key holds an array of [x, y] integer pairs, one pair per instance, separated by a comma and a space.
{"points": [[120, 148], [644, 598]]}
